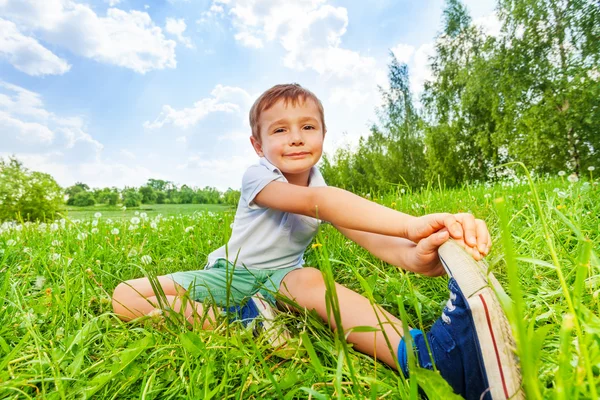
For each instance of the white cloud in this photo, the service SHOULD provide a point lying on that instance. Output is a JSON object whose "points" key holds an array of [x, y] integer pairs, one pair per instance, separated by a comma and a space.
{"points": [[403, 52], [420, 69], [236, 136], [27, 132], [489, 24], [177, 27], [224, 99], [127, 154], [128, 39], [27, 126], [112, 3], [308, 30], [26, 54], [181, 139]]}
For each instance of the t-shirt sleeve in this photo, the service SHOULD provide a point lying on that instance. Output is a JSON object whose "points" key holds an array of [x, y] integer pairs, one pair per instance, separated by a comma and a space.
{"points": [[316, 179], [255, 179]]}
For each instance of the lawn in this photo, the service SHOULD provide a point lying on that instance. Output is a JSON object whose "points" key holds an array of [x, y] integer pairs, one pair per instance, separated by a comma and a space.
{"points": [[151, 210], [59, 338]]}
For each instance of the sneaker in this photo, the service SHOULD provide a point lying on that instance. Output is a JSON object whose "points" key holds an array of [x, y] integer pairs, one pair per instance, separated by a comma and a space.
{"points": [[472, 343], [259, 309]]}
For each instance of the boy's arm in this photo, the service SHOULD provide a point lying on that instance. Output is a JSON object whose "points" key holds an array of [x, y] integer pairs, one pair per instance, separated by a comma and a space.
{"points": [[346, 210], [401, 252]]}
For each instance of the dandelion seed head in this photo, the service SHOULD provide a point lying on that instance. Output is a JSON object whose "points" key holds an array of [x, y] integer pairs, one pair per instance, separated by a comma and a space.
{"points": [[97, 215], [487, 195], [573, 178], [81, 235], [124, 208], [146, 259], [561, 173], [114, 231], [143, 215], [135, 220], [561, 194], [39, 281], [56, 243], [153, 225], [95, 222], [11, 242], [132, 253], [55, 256], [591, 168], [137, 213], [189, 228], [94, 230]]}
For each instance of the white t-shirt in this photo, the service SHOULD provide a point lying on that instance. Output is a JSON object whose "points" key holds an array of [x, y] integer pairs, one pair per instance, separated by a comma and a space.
{"points": [[265, 238]]}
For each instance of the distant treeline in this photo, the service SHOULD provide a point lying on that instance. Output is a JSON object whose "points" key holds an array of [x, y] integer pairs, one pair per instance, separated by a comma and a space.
{"points": [[156, 191], [531, 94]]}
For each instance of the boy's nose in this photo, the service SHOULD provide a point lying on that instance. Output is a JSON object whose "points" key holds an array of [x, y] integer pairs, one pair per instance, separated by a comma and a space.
{"points": [[296, 138]]}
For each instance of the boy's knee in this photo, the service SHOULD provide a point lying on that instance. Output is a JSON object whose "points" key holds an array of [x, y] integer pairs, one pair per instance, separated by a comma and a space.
{"points": [[304, 279], [120, 293]]}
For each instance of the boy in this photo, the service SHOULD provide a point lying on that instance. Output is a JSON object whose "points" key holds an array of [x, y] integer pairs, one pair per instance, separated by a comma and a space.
{"points": [[276, 220]]}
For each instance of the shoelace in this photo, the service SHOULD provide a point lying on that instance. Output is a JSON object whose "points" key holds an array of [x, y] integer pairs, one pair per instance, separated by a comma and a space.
{"points": [[450, 307]]}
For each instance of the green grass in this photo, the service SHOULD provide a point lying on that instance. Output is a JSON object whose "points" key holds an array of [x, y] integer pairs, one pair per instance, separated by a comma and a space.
{"points": [[151, 210], [59, 338]]}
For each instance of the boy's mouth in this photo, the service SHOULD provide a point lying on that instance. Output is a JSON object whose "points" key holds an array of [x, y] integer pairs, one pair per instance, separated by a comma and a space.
{"points": [[297, 154]]}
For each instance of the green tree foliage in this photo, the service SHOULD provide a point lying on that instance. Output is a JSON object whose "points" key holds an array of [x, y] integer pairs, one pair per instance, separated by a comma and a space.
{"points": [[72, 191], [530, 94], [26, 194], [83, 199], [131, 197], [394, 152], [231, 197], [149, 195], [550, 57]]}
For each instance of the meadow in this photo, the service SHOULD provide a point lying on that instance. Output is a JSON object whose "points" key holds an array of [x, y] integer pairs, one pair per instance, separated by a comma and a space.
{"points": [[60, 340]]}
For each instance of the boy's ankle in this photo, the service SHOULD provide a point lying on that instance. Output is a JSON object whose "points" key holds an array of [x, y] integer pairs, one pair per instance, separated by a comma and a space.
{"points": [[419, 349]]}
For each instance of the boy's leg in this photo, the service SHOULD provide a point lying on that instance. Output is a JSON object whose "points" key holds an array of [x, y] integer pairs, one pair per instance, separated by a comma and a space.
{"points": [[472, 344], [306, 287], [136, 298]]}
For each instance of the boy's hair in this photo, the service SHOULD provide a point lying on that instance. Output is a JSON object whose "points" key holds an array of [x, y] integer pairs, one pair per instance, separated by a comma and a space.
{"points": [[289, 92]]}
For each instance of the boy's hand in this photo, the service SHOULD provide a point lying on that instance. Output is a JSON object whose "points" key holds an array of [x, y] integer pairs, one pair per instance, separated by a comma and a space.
{"points": [[468, 231]]}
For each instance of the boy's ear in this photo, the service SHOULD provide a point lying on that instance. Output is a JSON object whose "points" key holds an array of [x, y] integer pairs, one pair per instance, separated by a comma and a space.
{"points": [[257, 146]]}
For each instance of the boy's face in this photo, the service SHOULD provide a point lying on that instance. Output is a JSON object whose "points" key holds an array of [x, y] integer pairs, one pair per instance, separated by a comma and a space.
{"points": [[291, 137]]}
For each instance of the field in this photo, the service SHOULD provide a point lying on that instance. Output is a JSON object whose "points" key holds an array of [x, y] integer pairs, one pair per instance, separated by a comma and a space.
{"points": [[60, 340], [151, 210]]}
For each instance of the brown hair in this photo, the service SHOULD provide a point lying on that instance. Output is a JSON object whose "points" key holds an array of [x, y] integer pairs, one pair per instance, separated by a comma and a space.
{"points": [[289, 92]]}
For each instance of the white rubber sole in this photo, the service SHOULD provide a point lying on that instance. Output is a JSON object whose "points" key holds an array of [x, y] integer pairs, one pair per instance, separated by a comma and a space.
{"points": [[493, 329], [277, 333]]}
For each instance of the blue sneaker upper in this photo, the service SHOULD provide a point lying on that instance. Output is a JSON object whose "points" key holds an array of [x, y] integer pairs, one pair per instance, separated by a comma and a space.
{"points": [[455, 348], [245, 313]]}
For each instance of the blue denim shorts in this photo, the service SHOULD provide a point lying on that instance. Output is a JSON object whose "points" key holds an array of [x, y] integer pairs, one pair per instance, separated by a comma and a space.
{"points": [[225, 284]]}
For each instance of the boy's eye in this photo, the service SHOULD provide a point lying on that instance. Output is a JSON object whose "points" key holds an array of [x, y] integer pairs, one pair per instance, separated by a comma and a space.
{"points": [[278, 130], [309, 127]]}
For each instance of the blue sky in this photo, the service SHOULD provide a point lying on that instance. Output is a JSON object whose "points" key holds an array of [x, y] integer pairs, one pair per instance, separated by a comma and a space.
{"points": [[113, 92]]}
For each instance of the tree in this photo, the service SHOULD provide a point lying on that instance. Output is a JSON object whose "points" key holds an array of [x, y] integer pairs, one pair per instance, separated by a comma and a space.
{"points": [[148, 194], [73, 190], [83, 199], [131, 197], [393, 154], [26, 194], [459, 103], [551, 55]]}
